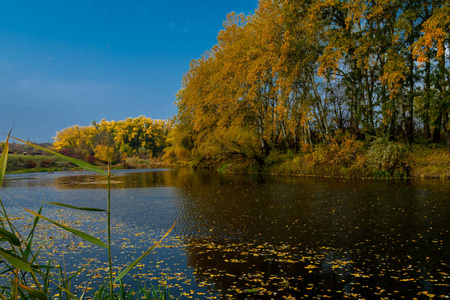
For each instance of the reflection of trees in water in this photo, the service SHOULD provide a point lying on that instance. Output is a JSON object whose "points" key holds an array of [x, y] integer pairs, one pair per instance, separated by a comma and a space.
{"points": [[127, 179], [312, 237]]}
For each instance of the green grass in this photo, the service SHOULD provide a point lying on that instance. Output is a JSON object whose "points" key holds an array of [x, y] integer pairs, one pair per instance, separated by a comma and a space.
{"points": [[18, 163]]}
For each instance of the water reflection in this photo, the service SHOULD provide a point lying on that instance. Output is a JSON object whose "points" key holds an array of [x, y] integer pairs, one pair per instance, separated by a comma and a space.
{"points": [[269, 237], [120, 180], [319, 237]]}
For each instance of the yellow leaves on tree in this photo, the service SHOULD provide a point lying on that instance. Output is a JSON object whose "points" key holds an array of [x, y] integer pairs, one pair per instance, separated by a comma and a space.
{"points": [[133, 136], [435, 31], [106, 153], [394, 73]]}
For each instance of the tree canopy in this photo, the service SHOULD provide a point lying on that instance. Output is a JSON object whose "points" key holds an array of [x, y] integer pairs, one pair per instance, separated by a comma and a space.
{"points": [[297, 71], [133, 136]]}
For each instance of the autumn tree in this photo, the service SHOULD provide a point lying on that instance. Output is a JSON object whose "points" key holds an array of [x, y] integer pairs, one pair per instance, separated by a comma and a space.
{"points": [[295, 72], [106, 153], [133, 136]]}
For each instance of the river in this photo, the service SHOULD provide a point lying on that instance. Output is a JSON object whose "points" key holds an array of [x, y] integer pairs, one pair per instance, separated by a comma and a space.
{"points": [[246, 236]]}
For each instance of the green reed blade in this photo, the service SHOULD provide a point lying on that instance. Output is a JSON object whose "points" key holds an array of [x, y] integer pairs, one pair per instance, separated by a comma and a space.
{"points": [[131, 266], [31, 235], [82, 164], [75, 207], [16, 261], [35, 293], [10, 237], [4, 159], [84, 236], [34, 256], [46, 277], [67, 280], [61, 288]]}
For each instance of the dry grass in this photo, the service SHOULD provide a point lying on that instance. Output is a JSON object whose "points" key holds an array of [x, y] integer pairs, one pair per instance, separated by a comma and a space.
{"points": [[430, 162]]}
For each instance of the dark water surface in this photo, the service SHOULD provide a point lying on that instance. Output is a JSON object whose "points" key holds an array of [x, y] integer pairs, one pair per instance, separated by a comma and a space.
{"points": [[254, 237]]}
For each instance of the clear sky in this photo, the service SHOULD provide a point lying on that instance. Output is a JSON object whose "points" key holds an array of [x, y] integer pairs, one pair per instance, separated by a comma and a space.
{"points": [[68, 62]]}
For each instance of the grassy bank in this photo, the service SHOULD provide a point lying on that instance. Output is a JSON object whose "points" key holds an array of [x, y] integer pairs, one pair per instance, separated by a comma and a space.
{"points": [[340, 158], [18, 163], [352, 159], [430, 162]]}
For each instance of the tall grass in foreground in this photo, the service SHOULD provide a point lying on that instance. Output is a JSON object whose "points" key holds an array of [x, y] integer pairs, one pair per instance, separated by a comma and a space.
{"points": [[29, 278]]}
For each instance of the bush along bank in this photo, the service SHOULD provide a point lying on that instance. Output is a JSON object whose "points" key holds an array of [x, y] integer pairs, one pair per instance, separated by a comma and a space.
{"points": [[350, 158]]}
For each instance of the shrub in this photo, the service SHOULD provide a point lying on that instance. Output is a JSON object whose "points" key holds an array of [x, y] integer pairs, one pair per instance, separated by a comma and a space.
{"points": [[144, 153], [29, 164], [91, 159], [46, 163], [70, 153], [275, 158], [318, 156], [345, 150], [137, 163], [294, 165], [388, 156]]}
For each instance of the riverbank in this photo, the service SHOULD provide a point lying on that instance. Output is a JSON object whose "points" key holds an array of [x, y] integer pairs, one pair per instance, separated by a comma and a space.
{"points": [[19, 163], [352, 159], [349, 159]]}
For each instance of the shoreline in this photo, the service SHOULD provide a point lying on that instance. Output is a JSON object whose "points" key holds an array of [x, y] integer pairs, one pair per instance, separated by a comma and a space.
{"points": [[413, 177], [416, 162]]}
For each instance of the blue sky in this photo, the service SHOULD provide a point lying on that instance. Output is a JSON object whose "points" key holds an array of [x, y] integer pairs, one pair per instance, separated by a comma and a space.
{"points": [[71, 62]]}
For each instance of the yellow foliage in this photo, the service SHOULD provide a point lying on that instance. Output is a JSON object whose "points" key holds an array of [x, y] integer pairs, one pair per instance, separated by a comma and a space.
{"points": [[105, 153], [133, 135]]}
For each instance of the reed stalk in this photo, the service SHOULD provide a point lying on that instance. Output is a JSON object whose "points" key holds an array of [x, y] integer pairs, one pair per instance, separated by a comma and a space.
{"points": [[111, 284]]}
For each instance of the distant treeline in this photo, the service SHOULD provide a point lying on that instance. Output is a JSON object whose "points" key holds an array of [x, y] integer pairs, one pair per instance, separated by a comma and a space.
{"points": [[132, 137], [19, 148], [297, 73]]}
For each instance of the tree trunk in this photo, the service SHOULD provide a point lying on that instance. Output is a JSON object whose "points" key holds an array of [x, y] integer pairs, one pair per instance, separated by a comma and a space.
{"points": [[426, 104], [410, 120]]}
